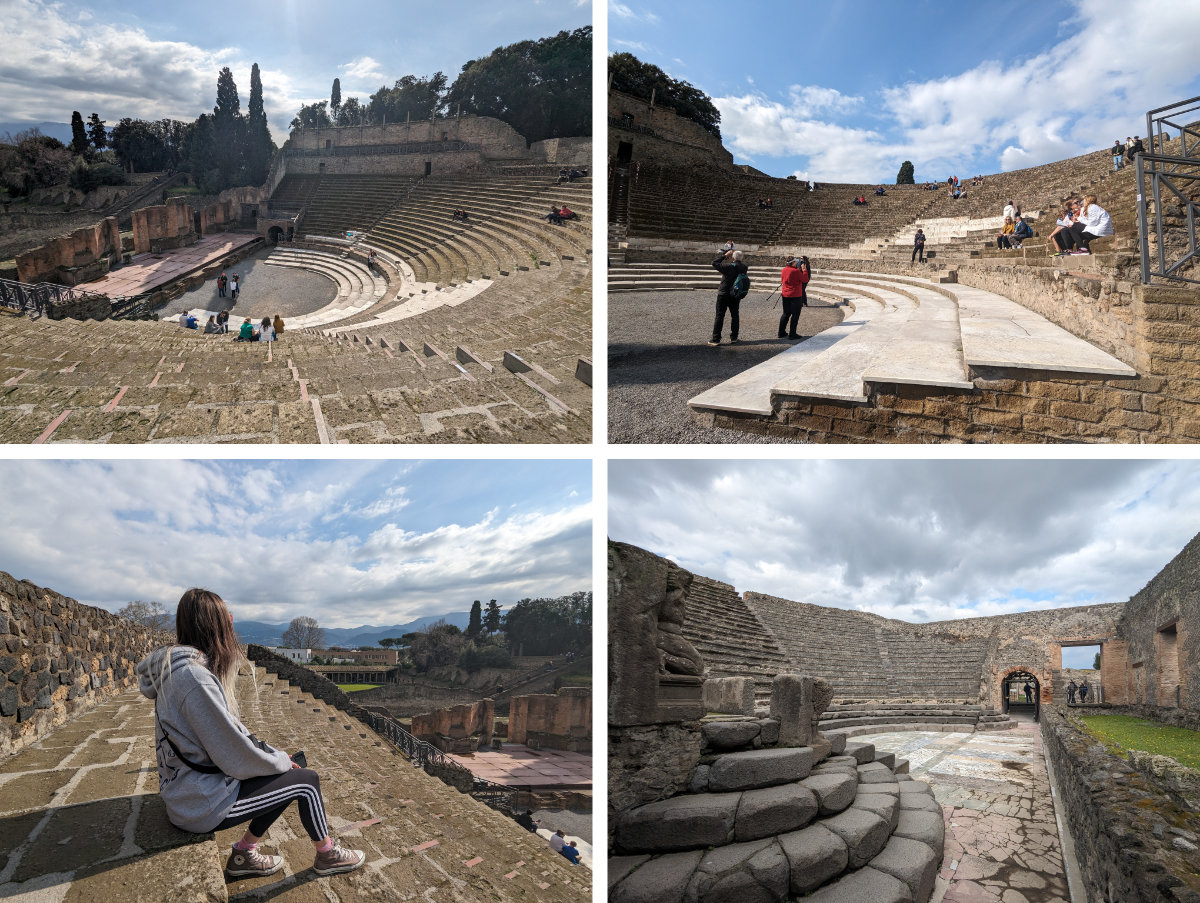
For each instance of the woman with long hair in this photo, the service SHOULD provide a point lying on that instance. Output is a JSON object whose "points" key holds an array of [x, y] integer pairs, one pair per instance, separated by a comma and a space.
{"points": [[212, 772]]}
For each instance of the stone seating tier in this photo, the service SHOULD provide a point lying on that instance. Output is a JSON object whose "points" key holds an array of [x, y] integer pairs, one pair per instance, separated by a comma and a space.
{"points": [[773, 823], [294, 191], [85, 821], [344, 203]]}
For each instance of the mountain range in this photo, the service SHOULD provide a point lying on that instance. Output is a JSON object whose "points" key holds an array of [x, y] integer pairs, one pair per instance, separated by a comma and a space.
{"points": [[59, 130], [266, 634]]}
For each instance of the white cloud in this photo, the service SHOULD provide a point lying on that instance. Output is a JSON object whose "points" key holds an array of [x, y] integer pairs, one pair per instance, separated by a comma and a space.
{"points": [[364, 69], [623, 11]]}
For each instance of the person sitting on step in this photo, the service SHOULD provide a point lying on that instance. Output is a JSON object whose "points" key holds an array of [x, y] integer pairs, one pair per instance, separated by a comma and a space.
{"points": [[213, 773], [246, 333], [1021, 231], [557, 841], [211, 327], [554, 216], [278, 324], [567, 213], [1093, 222], [1004, 239], [266, 330], [571, 851]]}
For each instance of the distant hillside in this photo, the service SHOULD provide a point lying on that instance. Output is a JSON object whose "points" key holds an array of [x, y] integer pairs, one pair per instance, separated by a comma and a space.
{"points": [[266, 634], [59, 130]]}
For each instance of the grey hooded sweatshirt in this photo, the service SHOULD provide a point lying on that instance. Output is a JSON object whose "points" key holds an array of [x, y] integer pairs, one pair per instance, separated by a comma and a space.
{"points": [[190, 706]]}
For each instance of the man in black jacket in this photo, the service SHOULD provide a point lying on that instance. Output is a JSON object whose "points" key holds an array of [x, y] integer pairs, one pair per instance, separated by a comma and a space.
{"points": [[729, 265]]}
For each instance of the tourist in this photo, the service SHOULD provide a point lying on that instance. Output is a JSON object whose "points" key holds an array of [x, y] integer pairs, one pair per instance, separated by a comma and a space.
{"points": [[557, 840], [1028, 692], [955, 194], [567, 213], [222, 284], [246, 333], [554, 216], [235, 286], [730, 266], [1134, 149], [860, 201], [571, 851], [212, 327], [371, 260], [266, 330], [792, 282], [1021, 231], [1118, 154], [525, 820], [213, 773], [918, 246], [770, 204], [1010, 210], [563, 175], [223, 321], [1071, 688], [1003, 239], [278, 324], [192, 322], [183, 318], [879, 192], [1093, 222], [1063, 222], [1083, 693], [812, 186]]}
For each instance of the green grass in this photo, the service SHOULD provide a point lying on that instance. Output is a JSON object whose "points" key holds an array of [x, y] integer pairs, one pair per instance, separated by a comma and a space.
{"points": [[1128, 732], [351, 688]]}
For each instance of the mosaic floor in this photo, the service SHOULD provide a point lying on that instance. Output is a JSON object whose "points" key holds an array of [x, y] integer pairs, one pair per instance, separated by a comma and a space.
{"points": [[1002, 842], [520, 765]]}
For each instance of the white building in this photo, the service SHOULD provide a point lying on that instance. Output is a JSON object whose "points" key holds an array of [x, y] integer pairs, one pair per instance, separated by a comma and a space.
{"points": [[302, 656]]}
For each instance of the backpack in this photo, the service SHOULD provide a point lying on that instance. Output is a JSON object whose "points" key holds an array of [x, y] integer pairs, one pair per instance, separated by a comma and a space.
{"points": [[740, 288]]}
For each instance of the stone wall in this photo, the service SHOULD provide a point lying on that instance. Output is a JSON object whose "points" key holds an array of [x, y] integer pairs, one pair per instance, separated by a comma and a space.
{"points": [[460, 730], [59, 658], [496, 140], [162, 227], [1162, 655], [564, 151], [657, 133], [1124, 825], [387, 165], [81, 256], [561, 721]]}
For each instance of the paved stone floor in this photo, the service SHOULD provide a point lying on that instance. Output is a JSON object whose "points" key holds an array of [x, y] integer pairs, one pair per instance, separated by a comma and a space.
{"points": [[265, 291], [519, 765], [148, 271], [1002, 841]]}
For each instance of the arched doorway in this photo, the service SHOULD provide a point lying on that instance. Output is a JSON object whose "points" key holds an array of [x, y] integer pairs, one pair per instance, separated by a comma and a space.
{"points": [[275, 233], [1015, 700]]}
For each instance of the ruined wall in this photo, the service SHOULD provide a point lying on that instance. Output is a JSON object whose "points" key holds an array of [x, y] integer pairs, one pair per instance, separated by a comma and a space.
{"points": [[497, 140], [461, 729], [387, 165], [1162, 654], [561, 721], [657, 133], [564, 151], [59, 658], [81, 256], [163, 226]]}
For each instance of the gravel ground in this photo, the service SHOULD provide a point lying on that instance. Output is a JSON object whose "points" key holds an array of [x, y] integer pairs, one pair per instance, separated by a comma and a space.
{"points": [[266, 291], [572, 822], [658, 359]]}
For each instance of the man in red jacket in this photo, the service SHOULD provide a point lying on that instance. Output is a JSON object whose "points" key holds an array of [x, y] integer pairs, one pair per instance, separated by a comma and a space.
{"points": [[793, 279]]}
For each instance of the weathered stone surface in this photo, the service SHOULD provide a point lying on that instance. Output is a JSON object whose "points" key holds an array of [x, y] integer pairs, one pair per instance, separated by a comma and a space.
{"points": [[700, 779], [755, 872], [834, 792], [927, 827], [837, 742], [798, 701], [815, 854], [730, 734], [661, 880], [619, 868], [774, 810], [865, 834], [911, 862], [862, 752], [875, 773], [759, 768], [886, 807], [729, 695], [770, 731], [864, 886], [919, 802], [680, 823]]}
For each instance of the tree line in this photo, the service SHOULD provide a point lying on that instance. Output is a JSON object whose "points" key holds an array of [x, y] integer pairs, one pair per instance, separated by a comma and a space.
{"points": [[541, 88], [629, 75]]}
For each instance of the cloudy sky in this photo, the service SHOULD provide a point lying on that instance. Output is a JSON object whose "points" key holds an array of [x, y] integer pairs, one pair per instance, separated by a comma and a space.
{"points": [[153, 60], [916, 540], [846, 90], [346, 542]]}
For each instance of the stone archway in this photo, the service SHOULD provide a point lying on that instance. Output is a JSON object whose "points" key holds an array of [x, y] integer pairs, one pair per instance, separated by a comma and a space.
{"points": [[1021, 691], [274, 234]]}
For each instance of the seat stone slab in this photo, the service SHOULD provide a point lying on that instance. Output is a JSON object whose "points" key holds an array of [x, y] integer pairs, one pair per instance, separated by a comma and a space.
{"points": [[774, 810], [661, 880], [875, 773], [680, 823], [730, 734], [864, 886], [865, 834], [834, 791], [861, 752], [927, 827], [745, 872], [814, 854], [912, 862], [886, 807], [759, 768]]}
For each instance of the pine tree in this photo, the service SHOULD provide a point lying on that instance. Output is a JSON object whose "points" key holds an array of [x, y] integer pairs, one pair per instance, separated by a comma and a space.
{"points": [[476, 623], [79, 139], [906, 174], [258, 135], [492, 619], [335, 98], [96, 132]]}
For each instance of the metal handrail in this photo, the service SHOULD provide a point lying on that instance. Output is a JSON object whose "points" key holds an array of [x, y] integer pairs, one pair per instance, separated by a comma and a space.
{"points": [[1163, 180], [34, 298]]}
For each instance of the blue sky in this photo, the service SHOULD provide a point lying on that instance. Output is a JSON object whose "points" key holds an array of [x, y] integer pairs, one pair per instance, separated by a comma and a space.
{"points": [[846, 90], [155, 60], [919, 540], [347, 542]]}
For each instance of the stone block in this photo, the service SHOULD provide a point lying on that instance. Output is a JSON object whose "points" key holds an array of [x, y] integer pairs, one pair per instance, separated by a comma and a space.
{"points": [[729, 695], [759, 768], [619, 868], [681, 823], [834, 791], [740, 871], [798, 701], [865, 834], [661, 880], [722, 735], [774, 810], [875, 773], [770, 731], [814, 854], [909, 861], [885, 806], [927, 827], [864, 886], [862, 752]]}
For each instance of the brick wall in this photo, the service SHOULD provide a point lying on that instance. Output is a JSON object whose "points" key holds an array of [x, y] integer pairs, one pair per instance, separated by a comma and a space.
{"points": [[498, 140], [59, 658], [671, 139], [560, 721], [81, 256]]}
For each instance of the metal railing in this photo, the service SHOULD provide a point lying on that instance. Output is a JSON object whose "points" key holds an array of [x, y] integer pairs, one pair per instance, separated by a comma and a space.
{"points": [[35, 298], [1164, 177]]}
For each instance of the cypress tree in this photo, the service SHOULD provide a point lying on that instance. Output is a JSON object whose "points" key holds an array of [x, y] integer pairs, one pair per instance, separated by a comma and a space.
{"points": [[228, 130], [258, 135], [906, 174], [79, 139], [476, 622], [96, 132], [335, 98]]}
